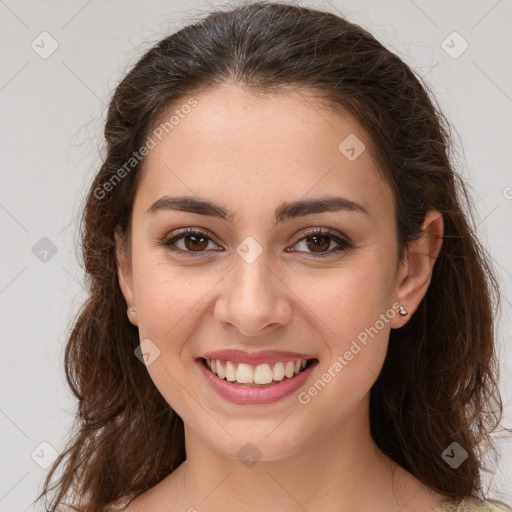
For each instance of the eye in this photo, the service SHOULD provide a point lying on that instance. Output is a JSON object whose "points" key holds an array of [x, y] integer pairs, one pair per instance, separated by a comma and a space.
{"points": [[315, 241], [194, 241], [319, 240]]}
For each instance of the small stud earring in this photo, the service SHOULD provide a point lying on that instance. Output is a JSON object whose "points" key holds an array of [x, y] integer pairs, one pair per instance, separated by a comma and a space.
{"points": [[402, 311], [132, 311]]}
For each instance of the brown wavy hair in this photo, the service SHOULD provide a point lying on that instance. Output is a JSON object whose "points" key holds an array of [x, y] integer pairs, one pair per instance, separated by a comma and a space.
{"points": [[439, 380]]}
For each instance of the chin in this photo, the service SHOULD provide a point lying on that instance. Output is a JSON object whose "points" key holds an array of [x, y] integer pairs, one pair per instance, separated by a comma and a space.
{"points": [[254, 444]]}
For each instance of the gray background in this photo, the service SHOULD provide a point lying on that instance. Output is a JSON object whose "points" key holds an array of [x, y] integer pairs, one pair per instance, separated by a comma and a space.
{"points": [[52, 110]]}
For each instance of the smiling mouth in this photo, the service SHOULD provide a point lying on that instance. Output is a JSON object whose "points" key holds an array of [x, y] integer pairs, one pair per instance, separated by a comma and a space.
{"points": [[256, 376]]}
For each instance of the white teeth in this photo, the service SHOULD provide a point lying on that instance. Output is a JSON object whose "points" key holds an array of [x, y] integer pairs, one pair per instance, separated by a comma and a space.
{"points": [[263, 374], [244, 374], [278, 371], [230, 371], [259, 374], [221, 372], [289, 369]]}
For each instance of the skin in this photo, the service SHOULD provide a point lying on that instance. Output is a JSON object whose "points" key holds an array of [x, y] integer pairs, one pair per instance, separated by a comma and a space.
{"points": [[250, 154]]}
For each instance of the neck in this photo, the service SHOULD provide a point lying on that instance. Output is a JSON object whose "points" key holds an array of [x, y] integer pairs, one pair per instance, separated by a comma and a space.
{"points": [[340, 470]]}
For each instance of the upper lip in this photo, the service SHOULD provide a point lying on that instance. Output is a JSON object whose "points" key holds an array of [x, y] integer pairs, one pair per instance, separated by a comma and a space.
{"points": [[258, 357]]}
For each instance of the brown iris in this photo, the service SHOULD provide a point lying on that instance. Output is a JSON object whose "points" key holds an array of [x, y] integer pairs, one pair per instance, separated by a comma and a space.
{"points": [[320, 246], [195, 245]]}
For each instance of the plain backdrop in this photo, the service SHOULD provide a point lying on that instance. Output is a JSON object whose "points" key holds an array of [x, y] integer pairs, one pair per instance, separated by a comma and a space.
{"points": [[60, 62]]}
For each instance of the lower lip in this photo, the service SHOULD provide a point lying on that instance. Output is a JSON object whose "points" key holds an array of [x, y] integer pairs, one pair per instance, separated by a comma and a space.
{"points": [[243, 395]]}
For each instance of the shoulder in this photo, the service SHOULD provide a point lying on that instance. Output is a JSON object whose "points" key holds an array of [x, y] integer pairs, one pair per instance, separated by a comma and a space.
{"points": [[474, 505], [466, 505]]}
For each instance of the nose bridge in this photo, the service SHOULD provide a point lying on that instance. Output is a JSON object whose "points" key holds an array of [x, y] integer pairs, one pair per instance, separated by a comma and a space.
{"points": [[254, 297], [252, 275], [252, 278]]}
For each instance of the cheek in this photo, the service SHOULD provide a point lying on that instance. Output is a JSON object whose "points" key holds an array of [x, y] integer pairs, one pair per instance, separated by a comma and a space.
{"points": [[353, 310], [170, 298], [348, 299], [354, 328], [170, 303]]}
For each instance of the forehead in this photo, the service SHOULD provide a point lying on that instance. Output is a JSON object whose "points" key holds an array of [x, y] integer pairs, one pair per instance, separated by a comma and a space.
{"points": [[250, 151]]}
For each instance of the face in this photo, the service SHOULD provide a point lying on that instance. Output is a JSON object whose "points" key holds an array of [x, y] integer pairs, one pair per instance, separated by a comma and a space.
{"points": [[252, 280]]}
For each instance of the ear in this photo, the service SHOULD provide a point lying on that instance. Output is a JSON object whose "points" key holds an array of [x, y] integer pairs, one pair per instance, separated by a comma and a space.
{"points": [[125, 276], [415, 273]]}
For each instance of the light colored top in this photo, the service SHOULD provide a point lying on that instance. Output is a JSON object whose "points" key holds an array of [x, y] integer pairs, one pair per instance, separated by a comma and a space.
{"points": [[121, 503], [466, 505], [474, 505]]}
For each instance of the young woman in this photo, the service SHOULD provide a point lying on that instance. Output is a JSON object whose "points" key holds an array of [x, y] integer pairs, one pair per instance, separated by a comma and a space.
{"points": [[288, 308]]}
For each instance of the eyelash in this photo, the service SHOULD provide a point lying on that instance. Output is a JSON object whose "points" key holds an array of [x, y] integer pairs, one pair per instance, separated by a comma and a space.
{"points": [[332, 235]]}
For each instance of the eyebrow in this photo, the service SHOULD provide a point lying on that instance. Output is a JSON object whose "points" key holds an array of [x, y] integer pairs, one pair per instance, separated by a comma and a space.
{"points": [[286, 211]]}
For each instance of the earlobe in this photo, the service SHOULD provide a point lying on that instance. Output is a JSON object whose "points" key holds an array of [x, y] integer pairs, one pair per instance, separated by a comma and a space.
{"points": [[415, 272], [125, 278]]}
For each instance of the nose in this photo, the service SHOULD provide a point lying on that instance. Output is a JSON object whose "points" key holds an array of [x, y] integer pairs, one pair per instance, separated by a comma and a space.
{"points": [[255, 300]]}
